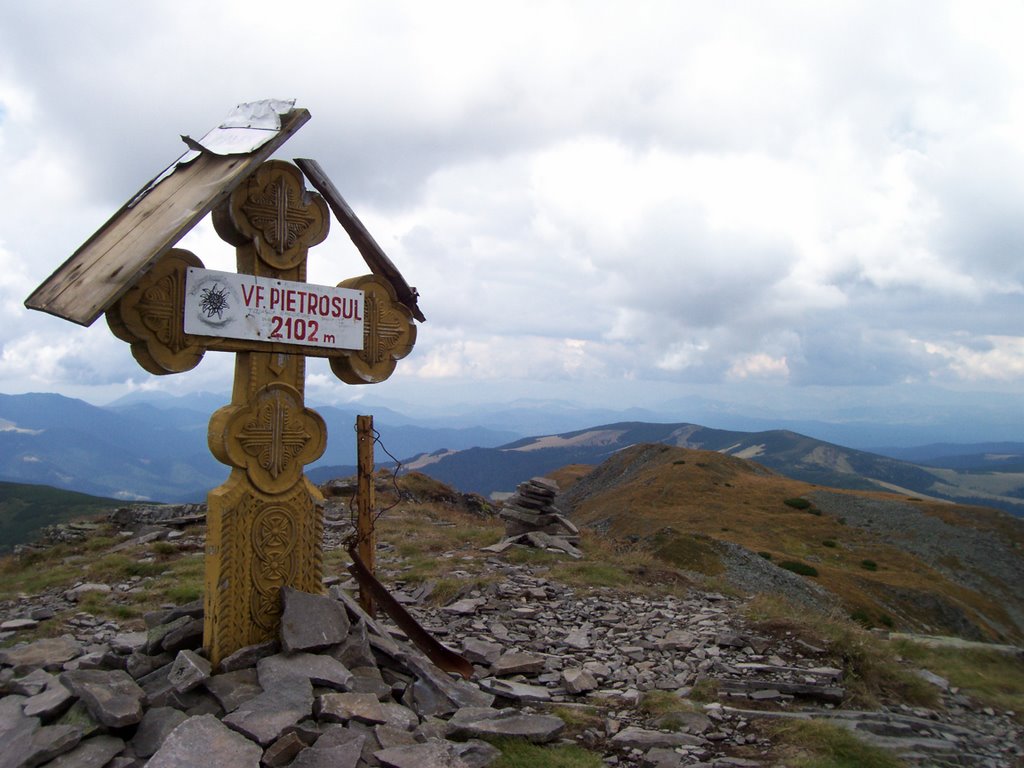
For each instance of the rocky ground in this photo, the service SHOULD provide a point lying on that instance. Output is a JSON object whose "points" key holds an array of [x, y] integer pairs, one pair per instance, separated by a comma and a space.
{"points": [[551, 663]]}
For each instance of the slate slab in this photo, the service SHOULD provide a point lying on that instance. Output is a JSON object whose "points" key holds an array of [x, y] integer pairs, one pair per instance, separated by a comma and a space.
{"points": [[434, 753], [265, 717], [111, 696], [96, 752], [205, 741], [311, 622], [50, 652], [154, 728], [319, 669]]}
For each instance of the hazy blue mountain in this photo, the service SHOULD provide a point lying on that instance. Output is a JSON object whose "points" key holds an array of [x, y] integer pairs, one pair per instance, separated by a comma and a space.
{"points": [[789, 453]]}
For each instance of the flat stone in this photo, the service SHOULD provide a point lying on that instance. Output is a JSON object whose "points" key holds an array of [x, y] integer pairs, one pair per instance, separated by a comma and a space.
{"points": [[398, 716], [465, 607], [16, 625], [248, 656], [661, 757], [476, 753], [96, 752], [311, 622], [40, 745], [265, 717], [516, 691], [337, 748], [188, 671], [48, 652], [640, 738], [370, 680], [49, 703], [283, 751], [154, 728], [518, 663], [539, 729], [112, 697], [155, 636], [232, 689], [389, 736], [355, 650], [205, 741], [188, 635], [342, 707], [319, 669], [435, 753], [35, 682], [75, 593], [128, 642], [576, 680], [578, 639], [480, 651]]}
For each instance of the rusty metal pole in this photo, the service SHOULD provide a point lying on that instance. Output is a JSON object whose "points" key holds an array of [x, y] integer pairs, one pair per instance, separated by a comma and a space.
{"points": [[365, 503]]}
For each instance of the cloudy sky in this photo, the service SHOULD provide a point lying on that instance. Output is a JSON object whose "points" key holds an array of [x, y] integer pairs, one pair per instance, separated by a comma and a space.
{"points": [[773, 203]]}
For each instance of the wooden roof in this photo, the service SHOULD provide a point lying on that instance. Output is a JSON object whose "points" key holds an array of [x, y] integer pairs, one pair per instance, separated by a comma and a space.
{"points": [[149, 225]]}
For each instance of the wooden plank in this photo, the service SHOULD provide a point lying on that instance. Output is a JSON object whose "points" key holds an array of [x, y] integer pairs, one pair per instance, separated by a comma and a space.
{"points": [[134, 238], [372, 254]]}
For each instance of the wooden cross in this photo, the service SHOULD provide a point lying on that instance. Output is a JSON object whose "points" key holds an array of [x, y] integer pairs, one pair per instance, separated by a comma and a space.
{"points": [[265, 524]]}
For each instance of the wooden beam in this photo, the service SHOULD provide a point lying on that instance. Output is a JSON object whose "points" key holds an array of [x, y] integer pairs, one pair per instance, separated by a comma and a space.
{"points": [[135, 237], [372, 254], [366, 537]]}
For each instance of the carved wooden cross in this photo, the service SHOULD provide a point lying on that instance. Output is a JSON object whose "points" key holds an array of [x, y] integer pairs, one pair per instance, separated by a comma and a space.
{"points": [[265, 524]]}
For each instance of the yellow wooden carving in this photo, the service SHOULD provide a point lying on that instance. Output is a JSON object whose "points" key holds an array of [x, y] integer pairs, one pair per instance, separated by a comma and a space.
{"points": [[274, 211], [265, 523], [388, 334], [149, 317]]}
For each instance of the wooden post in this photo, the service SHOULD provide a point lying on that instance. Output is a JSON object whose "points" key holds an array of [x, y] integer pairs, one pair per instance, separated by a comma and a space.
{"points": [[365, 503]]}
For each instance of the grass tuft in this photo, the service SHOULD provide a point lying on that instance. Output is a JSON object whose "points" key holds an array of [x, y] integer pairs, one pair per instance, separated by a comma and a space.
{"points": [[522, 754], [820, 744]]}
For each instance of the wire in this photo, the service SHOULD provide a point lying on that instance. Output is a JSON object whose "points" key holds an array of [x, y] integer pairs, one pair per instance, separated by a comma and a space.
{"points": [[354, 539]]}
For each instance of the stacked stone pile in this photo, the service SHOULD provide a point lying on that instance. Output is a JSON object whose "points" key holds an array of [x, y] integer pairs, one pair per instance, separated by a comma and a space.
{"points": [[336, 691], [531, 518]]}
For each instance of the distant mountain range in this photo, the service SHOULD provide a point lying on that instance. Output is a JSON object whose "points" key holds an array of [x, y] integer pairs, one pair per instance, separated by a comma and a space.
{"points": [[978, 477], [153, 446]]}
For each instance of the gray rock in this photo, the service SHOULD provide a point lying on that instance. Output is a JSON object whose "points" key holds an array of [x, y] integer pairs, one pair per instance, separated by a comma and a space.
{"points": [[471, 722], [283, 751], [188, 635], [35, 682], [128, 642], [480, 651], [661, 757], [337, 748], [75, 593], [435, 753], [188, 671], [96, 752], [41, 745], [398, 716], [355, 650], [518, 663], [476, 753], [50, 652], [343, 707], [232, 689], [640, 738], [317, 668], [112, 697], [265, 717], [50, 703], [15, 625], [248, 656], [311, 622], [516, 691], [155, 636], [576, 680], [205, 741], [154, 728]]}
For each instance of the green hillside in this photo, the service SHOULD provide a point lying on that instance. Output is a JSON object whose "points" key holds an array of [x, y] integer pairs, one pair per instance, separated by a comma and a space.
{"points": [[24, 509]]}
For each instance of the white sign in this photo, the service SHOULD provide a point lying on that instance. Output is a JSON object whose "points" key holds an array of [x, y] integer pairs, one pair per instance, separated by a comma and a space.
{"points": [[237, 306]]}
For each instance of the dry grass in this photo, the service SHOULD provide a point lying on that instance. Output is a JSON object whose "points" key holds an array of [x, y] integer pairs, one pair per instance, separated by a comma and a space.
{"points": [[705, 495]]}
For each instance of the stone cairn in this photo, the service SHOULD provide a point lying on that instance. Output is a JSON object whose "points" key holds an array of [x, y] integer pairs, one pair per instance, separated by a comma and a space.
{"points": [[335, 690], [531, 518]]}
